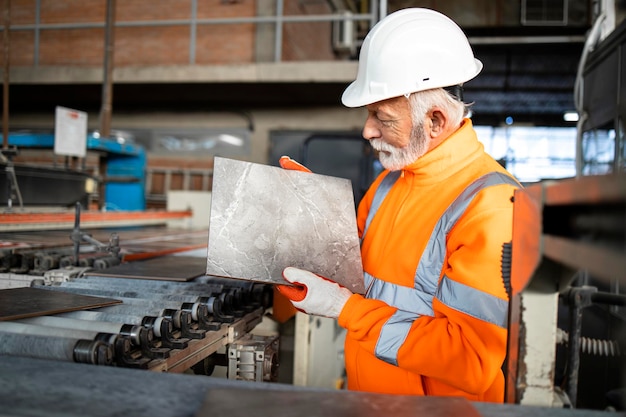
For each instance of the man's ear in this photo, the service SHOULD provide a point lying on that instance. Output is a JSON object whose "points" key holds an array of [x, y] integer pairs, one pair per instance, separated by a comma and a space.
{"points": [[437, 121]]}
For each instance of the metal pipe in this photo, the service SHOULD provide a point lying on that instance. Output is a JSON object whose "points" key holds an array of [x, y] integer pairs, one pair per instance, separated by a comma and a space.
{"points": [[383, 9], [41, 330], [374, 13], [192, 32], [138, 335], [573, 346], [36, 35], [7, 66], [102, 316], [183, 22], [107, 90], [278, 38], [76, 235], [57, 348], [609, 298], [73, 324]]}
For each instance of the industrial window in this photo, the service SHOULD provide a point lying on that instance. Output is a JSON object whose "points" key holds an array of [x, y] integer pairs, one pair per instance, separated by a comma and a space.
{"points": [[532, 153]]}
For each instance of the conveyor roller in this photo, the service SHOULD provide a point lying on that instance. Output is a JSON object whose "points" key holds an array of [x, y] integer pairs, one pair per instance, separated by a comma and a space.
{"points": [[54, 347]]}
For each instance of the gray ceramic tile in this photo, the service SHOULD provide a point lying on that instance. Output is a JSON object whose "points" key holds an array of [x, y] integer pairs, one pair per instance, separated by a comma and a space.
{"points": [[265, 218]]}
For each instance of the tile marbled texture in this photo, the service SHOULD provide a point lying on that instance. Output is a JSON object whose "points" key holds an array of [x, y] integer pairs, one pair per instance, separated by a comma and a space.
{"points": [[265, 218]]}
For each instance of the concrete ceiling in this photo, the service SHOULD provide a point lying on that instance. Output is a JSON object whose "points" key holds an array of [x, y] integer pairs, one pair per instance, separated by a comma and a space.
{"points": [[533, 83]]}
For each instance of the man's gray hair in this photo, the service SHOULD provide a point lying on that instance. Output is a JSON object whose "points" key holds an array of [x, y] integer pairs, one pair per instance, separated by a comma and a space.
{"points": [[423, 101]]}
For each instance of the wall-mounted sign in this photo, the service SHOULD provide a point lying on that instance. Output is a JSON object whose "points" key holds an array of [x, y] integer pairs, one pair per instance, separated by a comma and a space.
{"points": [[70, 132]]}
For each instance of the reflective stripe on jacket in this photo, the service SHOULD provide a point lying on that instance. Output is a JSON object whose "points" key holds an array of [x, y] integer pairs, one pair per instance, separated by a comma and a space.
{"points": [[417, 301], [434, 318]]}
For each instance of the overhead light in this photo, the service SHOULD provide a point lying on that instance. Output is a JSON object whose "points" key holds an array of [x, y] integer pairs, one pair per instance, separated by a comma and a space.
{"points": [[230, 139], [570, 116]]}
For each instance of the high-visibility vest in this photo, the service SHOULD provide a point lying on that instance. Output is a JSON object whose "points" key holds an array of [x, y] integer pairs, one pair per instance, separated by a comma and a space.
{"points": [[417, 301]]}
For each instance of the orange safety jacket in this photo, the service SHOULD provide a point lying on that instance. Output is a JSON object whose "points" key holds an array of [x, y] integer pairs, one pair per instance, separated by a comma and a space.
{"points": [[434, 318]]}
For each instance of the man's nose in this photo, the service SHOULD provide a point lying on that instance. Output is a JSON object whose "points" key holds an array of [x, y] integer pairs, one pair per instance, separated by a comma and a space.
{"points": [[371, 129]]}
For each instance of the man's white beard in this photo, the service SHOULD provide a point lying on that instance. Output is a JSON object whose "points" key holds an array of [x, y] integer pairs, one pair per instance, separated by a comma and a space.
{"points": [[393, 158]]}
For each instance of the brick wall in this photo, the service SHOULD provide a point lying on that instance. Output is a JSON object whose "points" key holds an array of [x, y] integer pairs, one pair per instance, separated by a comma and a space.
{"points": [[163, 45], [311, 41], [22, 48], [76, 47], [22, 11], [134, 46], [80, 47]]}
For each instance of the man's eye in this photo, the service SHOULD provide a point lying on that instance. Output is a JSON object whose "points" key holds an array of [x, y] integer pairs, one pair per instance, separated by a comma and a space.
{"points": [[386, 123]]}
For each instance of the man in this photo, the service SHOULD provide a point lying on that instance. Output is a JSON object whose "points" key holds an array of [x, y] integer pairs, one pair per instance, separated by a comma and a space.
{"points": [[433, 320]]}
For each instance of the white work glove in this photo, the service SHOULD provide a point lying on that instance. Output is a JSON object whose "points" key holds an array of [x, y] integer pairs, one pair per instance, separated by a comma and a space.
{"points": [[314, 294]]}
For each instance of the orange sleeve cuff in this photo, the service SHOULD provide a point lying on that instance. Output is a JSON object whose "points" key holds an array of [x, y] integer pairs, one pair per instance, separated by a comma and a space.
{"points": [[348, 310]]}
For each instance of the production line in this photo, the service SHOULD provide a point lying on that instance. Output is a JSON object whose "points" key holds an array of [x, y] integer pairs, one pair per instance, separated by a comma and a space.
{"points": [[161, 313]]}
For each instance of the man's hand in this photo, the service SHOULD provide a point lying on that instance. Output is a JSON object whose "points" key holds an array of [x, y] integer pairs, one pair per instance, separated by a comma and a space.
{"points": [[314, 294], [288, 163]]}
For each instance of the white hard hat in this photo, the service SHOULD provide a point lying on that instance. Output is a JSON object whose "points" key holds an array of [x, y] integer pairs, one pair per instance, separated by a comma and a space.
{"points": [[411, 50]]}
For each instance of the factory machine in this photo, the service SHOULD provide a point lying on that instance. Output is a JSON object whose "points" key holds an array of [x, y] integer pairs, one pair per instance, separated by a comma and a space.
{"points": [[134, 298], [567, 318]]}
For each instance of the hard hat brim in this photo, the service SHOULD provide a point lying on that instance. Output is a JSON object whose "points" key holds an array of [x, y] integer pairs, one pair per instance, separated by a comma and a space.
{"points": [[357, 95]]}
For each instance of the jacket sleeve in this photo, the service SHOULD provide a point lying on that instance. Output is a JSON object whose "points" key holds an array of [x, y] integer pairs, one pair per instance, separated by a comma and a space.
{"points": [[462, 345]]}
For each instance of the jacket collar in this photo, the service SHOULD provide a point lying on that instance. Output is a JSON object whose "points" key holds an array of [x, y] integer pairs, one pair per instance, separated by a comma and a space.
{"points": [[452, 155]]}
